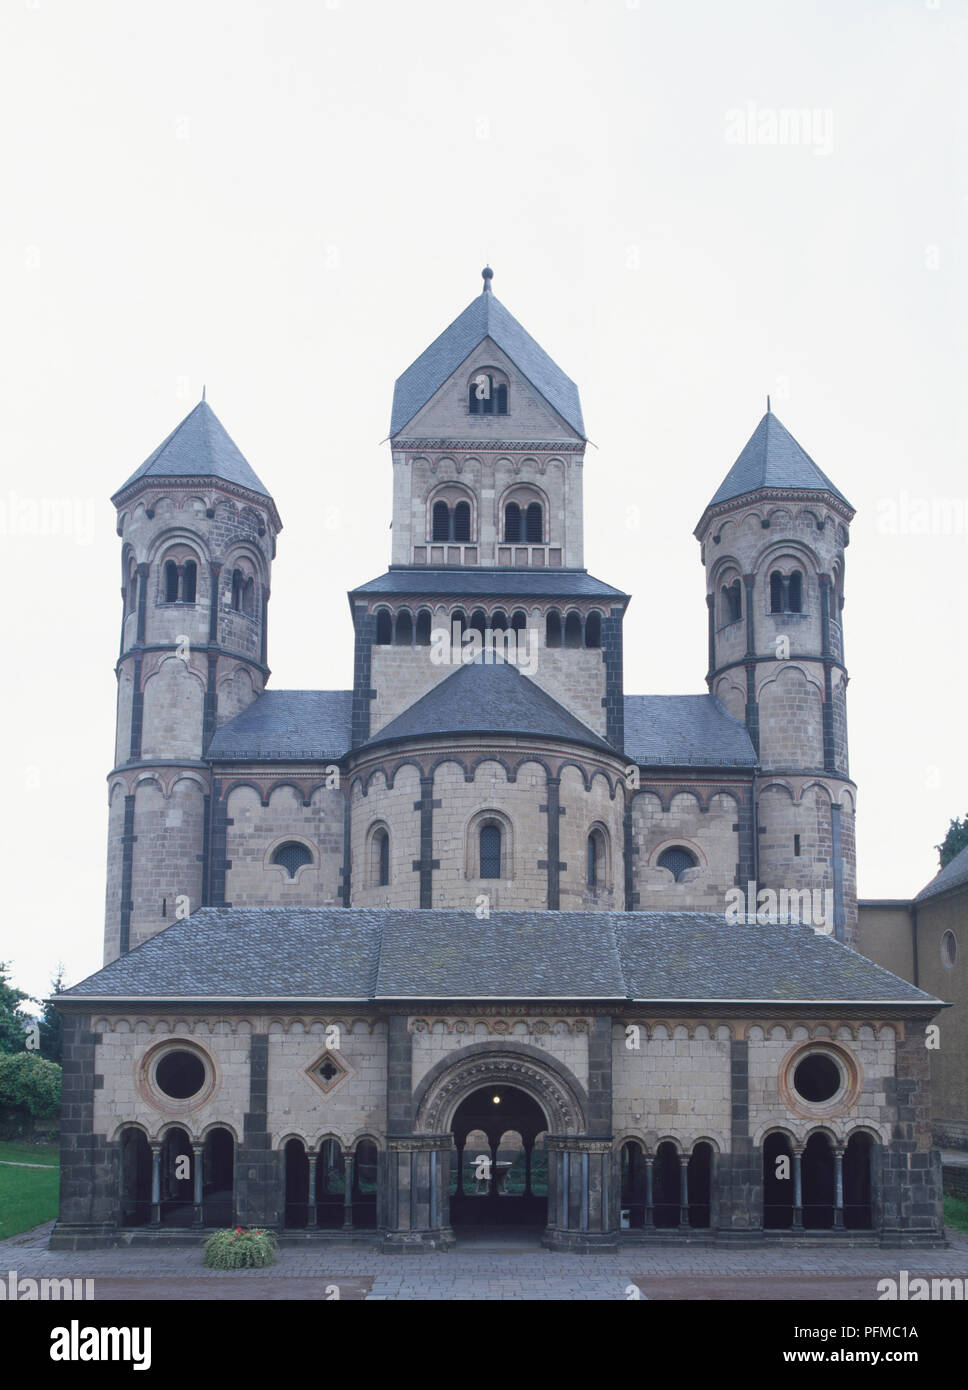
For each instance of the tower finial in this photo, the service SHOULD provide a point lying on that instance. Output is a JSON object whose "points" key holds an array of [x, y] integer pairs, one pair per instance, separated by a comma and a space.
{"points": [[767, 405], [488, 275], [203, 392]]}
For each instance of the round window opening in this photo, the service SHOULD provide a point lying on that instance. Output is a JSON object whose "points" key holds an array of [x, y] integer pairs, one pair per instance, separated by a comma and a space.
{"points": [[180, 1075], [817, 1077], [949, 950]]}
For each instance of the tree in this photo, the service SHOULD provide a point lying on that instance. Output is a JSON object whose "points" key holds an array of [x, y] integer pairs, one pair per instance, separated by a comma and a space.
{"points": [[955, 840], [12, 1022], [29, 1083], [52, 1022]]}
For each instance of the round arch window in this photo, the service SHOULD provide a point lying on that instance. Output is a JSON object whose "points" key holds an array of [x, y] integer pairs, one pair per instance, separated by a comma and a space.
{"points": [[949, 949], [180, 1075], [817, 1078]]}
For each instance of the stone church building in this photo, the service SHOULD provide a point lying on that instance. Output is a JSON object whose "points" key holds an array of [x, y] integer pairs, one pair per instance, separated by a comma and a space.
{"points": [[485, 940]]}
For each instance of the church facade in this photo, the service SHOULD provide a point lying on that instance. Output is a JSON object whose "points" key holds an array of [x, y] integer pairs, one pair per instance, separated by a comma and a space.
{"points": [[486, 940]]}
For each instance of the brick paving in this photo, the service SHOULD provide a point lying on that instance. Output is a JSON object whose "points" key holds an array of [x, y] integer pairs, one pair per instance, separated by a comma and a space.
{"points": [[486, 1270]]}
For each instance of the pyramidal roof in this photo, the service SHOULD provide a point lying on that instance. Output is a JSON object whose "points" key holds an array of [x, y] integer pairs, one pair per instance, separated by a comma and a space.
{"points": [[491, 699], [484, 317], [200, 447], [953, 875], [773, 459]]}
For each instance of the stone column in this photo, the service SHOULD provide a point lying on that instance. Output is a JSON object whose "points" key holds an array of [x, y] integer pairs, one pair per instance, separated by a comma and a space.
{"points": [[347, 1192], [649, 1207], [198, 1156], [838, 1188], [419, 1207], [683, 1192], [155, 1184], [797, 1188], [579, 1211], [311, 1195]]}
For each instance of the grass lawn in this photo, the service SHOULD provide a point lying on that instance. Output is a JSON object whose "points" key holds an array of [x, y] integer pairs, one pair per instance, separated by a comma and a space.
{"points": [[28, 1196], [956, 1213]]}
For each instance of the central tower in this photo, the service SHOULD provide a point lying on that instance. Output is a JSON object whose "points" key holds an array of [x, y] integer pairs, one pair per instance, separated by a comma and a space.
{"points": [[488, 442]]}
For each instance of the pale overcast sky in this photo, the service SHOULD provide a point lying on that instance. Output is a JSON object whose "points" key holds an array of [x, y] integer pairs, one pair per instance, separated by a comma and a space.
{"points": [[288, 202]]}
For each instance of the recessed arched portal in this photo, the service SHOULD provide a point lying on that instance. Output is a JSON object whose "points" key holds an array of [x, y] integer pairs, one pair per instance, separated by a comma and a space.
{"points": [[500, 1176]]}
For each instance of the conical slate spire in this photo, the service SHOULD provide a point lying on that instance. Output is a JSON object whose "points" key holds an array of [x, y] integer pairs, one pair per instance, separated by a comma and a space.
{"points": [[484, 317], [773, 459], [200, 447]]}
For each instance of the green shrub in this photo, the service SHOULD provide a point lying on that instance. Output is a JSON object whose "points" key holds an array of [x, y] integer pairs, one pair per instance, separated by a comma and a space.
{"points": [[236, 1248], [30, 1083]]}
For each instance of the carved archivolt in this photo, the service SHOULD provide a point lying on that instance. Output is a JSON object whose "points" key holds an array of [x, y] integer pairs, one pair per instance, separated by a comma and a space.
{"points": [[558, 1099]]}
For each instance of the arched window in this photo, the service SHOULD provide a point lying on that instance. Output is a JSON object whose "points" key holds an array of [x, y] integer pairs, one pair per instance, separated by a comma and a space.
{"points": [[732, 609], [500, 400], [403, 629], [593, 630], [512, 522], [553, 628], [384, 628], [499, 620], [292, 856], [776, 592], [479, 621], [423, 627], [795, 592], [573, 632], [677, 860], [189, 581], [480, 394], [462, 521], [171, 582], [596, 867], [519, 620], [441, 522], [248, 597], [460, 618], [490, 846], [237, 585], [534, 530], [380, 858]]}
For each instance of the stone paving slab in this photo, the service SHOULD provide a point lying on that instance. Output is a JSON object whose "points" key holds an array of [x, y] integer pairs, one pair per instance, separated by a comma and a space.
{"points": [[661, 1273]]}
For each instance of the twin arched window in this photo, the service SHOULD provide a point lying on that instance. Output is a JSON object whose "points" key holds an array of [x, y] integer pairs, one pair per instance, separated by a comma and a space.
{"points": [[243, 594], [786, 592], [181, 581], [524, 523], [487, 395], [451, 523], [732, 602]]}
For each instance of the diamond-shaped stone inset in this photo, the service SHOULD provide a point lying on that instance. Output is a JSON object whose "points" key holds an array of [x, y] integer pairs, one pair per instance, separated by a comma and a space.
{"points": [[327, 1071]]}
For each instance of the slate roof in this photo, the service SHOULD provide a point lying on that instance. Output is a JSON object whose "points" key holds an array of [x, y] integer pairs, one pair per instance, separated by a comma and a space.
{"points": [[953, 875], [491, 699], [363, 954], [494, 583], [200, 447], [685, 731], [287, 724], [484, 317], [772, 458]]}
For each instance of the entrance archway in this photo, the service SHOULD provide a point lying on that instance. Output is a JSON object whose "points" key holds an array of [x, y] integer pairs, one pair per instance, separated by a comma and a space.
{"points": [[500, 1175]]}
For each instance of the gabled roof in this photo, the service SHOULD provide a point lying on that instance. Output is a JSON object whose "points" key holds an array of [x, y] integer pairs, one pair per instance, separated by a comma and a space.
{"points": [[491, 699], [300, 725], [685, 731], [490, 583], [367, 954], [484, 317], [953, 875], [772, 458], [200, 447]]}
